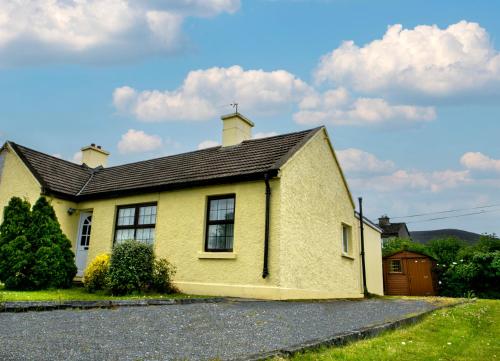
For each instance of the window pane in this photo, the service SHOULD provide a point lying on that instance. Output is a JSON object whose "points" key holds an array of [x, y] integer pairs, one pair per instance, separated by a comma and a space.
{"points": [[221, 209], [126, 216], [124, 235], [220, 237], [146, 235], [147, 215], [345, 239], [395, 266]]}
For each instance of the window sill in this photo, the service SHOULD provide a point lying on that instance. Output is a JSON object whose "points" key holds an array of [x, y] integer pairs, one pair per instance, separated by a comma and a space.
{"points": [[348, 256], [216, 255]]}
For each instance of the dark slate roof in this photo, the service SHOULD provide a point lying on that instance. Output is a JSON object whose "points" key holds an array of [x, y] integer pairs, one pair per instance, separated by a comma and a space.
{"points": [[394, 229], [245, 161], [54, 174]]}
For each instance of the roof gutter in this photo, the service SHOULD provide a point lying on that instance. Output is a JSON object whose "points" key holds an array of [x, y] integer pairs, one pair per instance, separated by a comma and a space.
{"points": [[265, 268]]}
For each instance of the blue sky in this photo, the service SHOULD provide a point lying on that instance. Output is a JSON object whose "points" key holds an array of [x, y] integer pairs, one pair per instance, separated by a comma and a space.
{"points": [[413, 110]]}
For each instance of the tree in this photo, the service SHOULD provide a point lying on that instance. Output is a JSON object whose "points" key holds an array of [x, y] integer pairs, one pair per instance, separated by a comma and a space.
{"points": [[34, 252], [16, 256], [394, 245], [54, 260], [446, 250]]}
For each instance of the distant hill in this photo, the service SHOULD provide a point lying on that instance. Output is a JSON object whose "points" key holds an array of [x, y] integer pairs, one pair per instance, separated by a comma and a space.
{"points": [[425, 236]]}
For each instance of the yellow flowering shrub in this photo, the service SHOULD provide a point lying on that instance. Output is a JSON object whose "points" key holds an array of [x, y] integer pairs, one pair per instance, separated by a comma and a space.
{"points": [[95, 276]]}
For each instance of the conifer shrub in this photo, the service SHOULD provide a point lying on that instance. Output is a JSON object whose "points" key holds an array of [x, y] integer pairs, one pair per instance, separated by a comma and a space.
{"points": [[96, 274], [54, 260], [34, 252], [16, 256], [131, 268]]}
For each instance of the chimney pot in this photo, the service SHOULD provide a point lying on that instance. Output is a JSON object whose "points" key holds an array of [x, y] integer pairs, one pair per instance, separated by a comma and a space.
{"points": [[92, 144]]}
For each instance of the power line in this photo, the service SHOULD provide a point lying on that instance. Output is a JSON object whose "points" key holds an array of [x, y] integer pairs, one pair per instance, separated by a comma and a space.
{"points": [[456, 216], [447, 211]]}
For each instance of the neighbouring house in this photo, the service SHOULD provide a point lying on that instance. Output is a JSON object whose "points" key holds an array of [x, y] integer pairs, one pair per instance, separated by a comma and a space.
{"points": [[409, 273], [267, 218], [392, 230]]}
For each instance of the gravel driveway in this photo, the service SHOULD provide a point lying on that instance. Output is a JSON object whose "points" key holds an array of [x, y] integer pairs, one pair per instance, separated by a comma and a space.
{"points": [[227, 330]]}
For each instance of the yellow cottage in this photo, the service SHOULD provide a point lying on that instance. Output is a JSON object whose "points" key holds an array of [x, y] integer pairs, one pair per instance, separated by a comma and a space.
{"points": [[268, 218]]}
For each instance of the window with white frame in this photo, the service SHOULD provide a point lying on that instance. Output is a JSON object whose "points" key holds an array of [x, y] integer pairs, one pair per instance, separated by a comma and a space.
{"points": [[136, 222], [346, 239]]}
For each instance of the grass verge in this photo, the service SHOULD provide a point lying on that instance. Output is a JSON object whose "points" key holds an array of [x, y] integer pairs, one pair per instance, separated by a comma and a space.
{"points": [[77, 294], [466, 332]]}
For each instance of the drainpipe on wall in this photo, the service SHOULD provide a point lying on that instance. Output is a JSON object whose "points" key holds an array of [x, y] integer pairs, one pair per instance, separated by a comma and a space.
{"points": [[265, 269], [361, 226]]}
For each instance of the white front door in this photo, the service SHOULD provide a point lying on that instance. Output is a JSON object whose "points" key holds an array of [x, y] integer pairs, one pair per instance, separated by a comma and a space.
{"points": [[83, 241]]}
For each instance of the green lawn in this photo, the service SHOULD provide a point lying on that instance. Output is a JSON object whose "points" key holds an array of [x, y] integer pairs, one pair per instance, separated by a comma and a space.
{"points": [[75, 294], [465, 332]]}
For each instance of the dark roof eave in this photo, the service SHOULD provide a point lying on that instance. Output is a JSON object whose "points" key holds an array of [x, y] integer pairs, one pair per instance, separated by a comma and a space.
{"points": [[285, 158], [33, 171], [174, 186]]}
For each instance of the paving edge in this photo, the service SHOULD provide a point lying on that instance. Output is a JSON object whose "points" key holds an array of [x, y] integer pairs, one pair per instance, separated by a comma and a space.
{"points": [[347, 337], [25, 306]]}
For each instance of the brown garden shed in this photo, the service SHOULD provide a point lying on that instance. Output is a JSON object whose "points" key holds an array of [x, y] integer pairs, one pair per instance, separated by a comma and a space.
{"points": [[409, 273]]}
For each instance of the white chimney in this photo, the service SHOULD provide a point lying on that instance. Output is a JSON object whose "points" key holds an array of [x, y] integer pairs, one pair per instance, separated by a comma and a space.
{"points": [[94, 156], [236, 128]]}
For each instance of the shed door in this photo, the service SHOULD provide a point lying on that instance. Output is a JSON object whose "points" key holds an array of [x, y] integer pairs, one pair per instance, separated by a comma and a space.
{"points": [[420, 276]]}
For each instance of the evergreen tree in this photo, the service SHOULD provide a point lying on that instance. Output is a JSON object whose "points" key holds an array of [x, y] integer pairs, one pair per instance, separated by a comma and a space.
{"points": [[54, 260], [34, 252], [16, 253]]}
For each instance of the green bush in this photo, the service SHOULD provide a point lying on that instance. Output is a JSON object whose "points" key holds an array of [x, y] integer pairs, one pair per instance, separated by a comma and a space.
{"points": [[163, 272], [473, 270], [394, 245], [131, 268], [96, 274], [34, 252], [446, 250]]}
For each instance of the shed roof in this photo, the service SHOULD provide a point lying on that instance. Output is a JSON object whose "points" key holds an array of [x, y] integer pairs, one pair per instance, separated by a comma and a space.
{"points": [[407, 251]]}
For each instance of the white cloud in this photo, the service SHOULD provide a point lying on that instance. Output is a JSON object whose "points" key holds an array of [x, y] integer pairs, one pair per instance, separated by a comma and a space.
{"points": [[407, 180], [338, 107], [205, 93], [367, 172], [96, 29], [259, 135], [208, 144], [426, 60], [480, 161], [57, 155], [77, 158], [136, 141], [355, 160]]}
